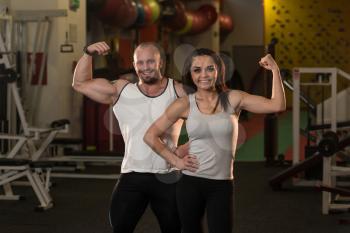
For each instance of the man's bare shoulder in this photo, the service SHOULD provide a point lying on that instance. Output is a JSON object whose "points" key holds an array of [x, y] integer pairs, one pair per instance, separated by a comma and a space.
{"points": [[119, 84], [182, 103], [183, 100], [179, 87], [179, 108]]}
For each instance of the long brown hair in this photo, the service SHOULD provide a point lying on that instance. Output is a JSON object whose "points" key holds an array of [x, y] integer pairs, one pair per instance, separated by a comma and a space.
{"points": [[220, 86]]}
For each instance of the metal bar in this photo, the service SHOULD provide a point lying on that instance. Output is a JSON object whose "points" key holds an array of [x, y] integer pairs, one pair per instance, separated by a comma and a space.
{"points": [[20, 109], [37, 94], [36, 189], [44, 145], [14, 177], [296, 115], [343, 74], [86, 176], [35, 15], [312, 70], [32, 71]]}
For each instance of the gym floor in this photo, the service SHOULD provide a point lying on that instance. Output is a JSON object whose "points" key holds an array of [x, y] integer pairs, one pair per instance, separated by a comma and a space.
{"points": [[81, 205]]}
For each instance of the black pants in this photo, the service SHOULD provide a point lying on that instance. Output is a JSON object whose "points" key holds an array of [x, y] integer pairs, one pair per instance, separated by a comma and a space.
{"points": [[197, 195], [134, 191]]}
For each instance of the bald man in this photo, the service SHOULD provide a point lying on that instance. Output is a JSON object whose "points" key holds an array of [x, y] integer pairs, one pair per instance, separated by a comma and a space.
{"points": [[145, 178]]}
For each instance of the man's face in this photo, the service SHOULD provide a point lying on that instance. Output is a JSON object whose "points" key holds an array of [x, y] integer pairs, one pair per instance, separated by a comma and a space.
{"points": [[147, 64]]}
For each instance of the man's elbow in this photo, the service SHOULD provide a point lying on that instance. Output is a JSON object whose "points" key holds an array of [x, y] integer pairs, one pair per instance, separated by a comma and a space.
{"points": [[76, 86]]}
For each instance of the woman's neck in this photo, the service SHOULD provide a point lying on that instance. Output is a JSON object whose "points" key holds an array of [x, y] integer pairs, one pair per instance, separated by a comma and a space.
{"points": [[206, 94]]}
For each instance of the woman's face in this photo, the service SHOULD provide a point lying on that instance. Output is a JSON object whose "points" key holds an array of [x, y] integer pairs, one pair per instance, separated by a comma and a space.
{"points": [[204, 72]]}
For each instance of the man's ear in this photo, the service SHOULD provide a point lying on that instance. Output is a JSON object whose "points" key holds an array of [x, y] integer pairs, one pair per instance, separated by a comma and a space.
{"points": [[162, 66]]}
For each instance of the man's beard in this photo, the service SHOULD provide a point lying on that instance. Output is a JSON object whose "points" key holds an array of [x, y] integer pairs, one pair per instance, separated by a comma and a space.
{"points": [[149, 79]]}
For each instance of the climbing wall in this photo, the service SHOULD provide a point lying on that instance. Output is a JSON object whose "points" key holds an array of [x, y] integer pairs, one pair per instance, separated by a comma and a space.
{"points": [[310, 33]]}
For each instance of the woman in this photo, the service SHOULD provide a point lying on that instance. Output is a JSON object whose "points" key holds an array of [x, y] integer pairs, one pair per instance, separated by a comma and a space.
{"points": [[211, 112]]}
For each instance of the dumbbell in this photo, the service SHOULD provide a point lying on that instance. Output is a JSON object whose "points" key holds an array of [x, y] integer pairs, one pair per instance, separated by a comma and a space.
{"points": [[9, 75], [59, 123], [328, 144]]}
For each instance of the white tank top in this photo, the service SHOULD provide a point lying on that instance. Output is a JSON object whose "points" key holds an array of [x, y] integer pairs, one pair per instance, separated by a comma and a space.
{"points": [[135, 112], [212, 139]]}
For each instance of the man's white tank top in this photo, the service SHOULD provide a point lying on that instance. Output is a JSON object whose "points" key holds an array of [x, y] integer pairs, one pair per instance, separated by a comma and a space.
{"points": [[212, 139], [136, 112]]}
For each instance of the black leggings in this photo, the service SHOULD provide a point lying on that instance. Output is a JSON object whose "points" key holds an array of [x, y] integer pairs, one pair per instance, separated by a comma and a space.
{"points": [[197, 195], [134, 191]]}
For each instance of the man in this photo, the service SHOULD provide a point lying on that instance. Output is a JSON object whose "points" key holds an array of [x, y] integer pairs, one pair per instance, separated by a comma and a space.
{"points": [[144, 176]]}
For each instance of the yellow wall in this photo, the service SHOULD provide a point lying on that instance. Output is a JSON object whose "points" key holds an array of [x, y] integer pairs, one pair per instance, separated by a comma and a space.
{"points": [[312, 33]]}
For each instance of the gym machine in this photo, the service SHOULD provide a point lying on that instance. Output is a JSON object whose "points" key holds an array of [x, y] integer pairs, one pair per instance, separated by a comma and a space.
{"points": [[328, 145], [327, 148]]}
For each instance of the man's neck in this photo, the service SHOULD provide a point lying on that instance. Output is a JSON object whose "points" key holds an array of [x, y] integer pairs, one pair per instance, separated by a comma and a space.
{"points": [[153, 89]]}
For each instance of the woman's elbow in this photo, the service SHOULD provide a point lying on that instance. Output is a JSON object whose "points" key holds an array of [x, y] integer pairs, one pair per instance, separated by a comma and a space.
{"points": [[147, 138], [284, 108], [281, 107], [277, 105]]}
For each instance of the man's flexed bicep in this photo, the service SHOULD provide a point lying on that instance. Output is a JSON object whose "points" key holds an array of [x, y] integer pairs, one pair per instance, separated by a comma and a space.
{"points": [[99, 90]]}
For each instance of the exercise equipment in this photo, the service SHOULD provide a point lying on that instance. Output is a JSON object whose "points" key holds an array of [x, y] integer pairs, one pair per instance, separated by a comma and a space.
{"points": [[327, 77], [8, 75], [155, 9], [203, 18], [328, 144], [340, 191], [297, 98], [35, 140], [327, 147], [226, 23], [38, 140], [175, 16], [120, 13], [141, 15], [188, 25], [148, 13], [303, 97], [191, 22], [14, 169]]}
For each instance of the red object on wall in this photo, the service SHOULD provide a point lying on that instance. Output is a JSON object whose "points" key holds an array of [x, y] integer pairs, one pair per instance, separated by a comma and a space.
{"points": [[36, 68], [96, 132], [226, 23], [178, 21], [148, 33], [89, 124], [120, 13], [126, 52]]}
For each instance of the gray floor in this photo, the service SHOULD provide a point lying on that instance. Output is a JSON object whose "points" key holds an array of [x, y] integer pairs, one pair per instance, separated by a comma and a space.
{"points": [[82, 206]]}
